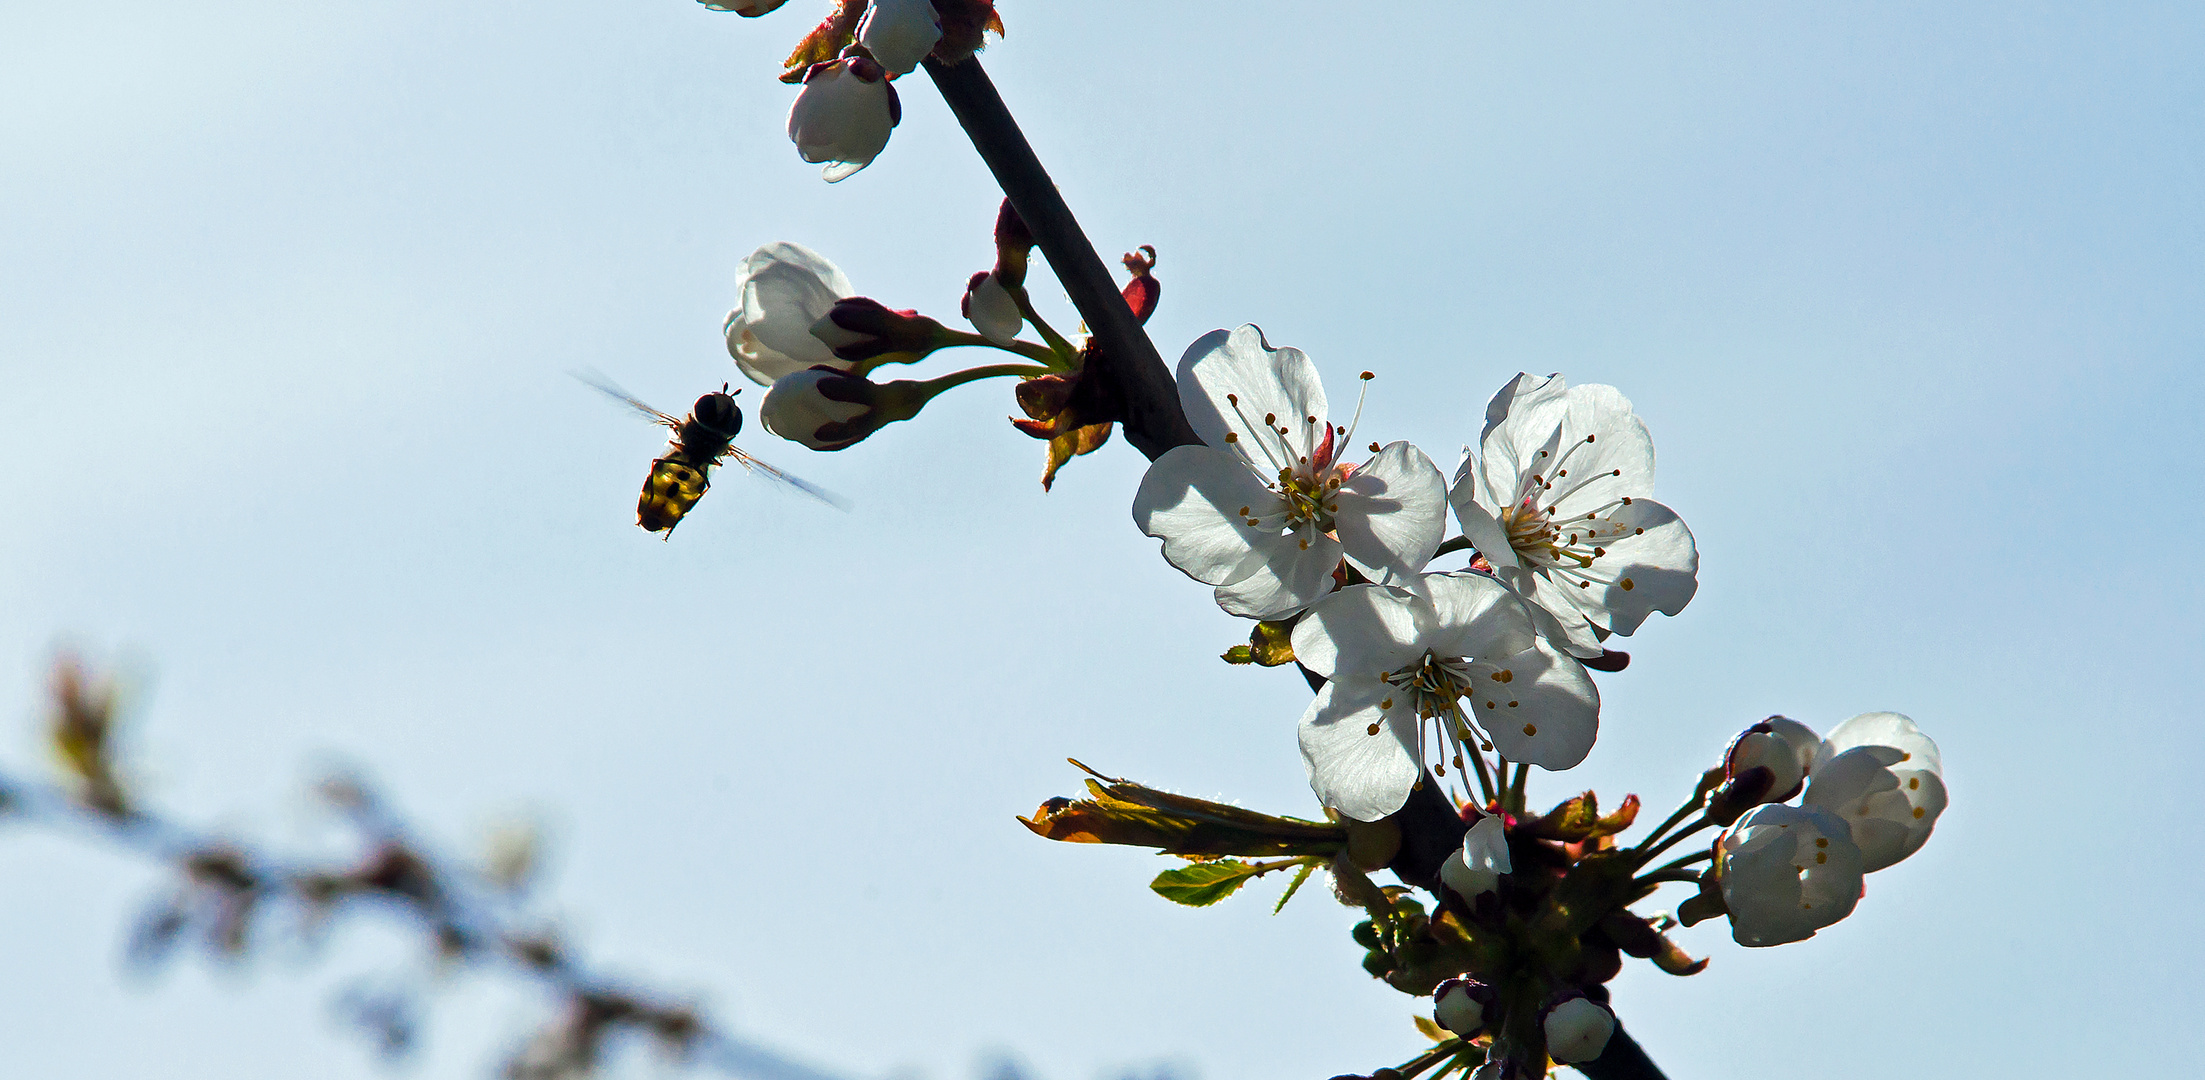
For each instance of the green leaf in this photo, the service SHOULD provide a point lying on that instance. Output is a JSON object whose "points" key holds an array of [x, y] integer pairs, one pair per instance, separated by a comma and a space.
{"points": [[1293, 886], [1204, 883]]}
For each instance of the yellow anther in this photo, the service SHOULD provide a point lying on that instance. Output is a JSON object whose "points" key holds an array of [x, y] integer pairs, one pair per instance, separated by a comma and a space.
{"points": [[1918, 812], [1628, 584], [1531, 729], [1371, 730]]}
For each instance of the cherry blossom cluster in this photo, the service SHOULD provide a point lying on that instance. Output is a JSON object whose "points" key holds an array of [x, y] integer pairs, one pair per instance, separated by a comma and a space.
{"points": [[1450, 626]]}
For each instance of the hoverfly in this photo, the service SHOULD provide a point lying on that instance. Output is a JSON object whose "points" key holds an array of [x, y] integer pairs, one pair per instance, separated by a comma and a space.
{"points": [[701, 440]]}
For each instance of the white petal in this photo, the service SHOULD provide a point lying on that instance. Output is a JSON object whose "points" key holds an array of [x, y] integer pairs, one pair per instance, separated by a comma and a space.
{"points": [[1597, 449], [900, 33], [994, 311], [1654, 567], [1280, 383], [1485, 846], [1295, 573], [1538, 706], [1561, 620], [1393, 514], [1891, 807], [1479, 526], [782, 290], [1368, 628], [1362, 775], [1883, 729], [1468, 614], [1190, 500]]}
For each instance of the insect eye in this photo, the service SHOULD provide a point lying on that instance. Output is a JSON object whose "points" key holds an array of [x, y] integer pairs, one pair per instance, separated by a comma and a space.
{"points": [[718, 412]]}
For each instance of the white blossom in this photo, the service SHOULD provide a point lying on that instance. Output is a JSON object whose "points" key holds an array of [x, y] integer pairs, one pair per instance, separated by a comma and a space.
{"points": [[782, 291], [843, 115], [1432, 670], [1786, 872], [1267, 508], [900, 33], [1556, 501], [1577, 1030], [1884, 778], [1476, 868]]}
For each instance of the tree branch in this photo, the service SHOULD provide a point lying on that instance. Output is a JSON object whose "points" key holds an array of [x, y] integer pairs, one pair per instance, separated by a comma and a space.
{"points": [[1623, 1059], [1153, 420]]}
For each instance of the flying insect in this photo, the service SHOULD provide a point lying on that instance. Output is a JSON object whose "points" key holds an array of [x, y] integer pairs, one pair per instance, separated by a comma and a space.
{"points": [[703, 439]]}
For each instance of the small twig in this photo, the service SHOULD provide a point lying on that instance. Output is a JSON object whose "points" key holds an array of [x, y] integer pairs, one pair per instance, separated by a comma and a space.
{"points": [[1153, 420]]}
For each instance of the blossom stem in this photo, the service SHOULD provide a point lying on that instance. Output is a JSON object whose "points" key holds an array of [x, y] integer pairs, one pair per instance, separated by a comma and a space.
{"points": [[1516, 787], [1449, 547], [1694, 803], [1671, 842], [1066, 356], [932, 387], [1623, 1059], [1677, 864], [1153, 420], [1414, 1067], [1659, 877]]}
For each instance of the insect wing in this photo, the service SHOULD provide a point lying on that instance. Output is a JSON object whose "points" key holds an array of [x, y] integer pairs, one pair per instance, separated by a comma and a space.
{"points": [[612, 390], [761, 469]]}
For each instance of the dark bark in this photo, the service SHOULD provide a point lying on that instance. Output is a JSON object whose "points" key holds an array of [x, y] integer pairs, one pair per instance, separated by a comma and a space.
{"points": [[1623, 1059]]}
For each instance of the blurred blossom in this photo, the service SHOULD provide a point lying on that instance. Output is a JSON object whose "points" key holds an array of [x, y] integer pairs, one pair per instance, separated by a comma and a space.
{"points": [[782, 291], [1267, 508], [843, 115], [1577, 1030], [1556, 501]]}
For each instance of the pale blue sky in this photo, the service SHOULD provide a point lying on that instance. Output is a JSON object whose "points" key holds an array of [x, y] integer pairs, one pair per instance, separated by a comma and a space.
{"points": [[1908, 297]]}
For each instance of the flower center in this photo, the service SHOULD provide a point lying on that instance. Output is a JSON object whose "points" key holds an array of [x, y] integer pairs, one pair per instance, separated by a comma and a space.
{"points": [[1566, 546]]}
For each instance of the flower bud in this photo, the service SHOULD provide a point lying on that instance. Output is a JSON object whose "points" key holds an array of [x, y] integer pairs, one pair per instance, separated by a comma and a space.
{"points": [[1465, 1006], [1884, 778], [1477, 868], [1577, 1029], [1786, 872], [844, 115], [1767, 762], [992, 309], [899, 33], [828, 409], [862, 328], [782, 291]]}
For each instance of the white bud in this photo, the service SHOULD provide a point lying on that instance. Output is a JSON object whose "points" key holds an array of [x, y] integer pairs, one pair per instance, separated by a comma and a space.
{"points": [[782, 291], [992, 309], [1884, 778], [900, 33], [1462, 1006], [1785, 746], [1578, 1030], [1786, 872], [797, 410], [843, 116]]}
